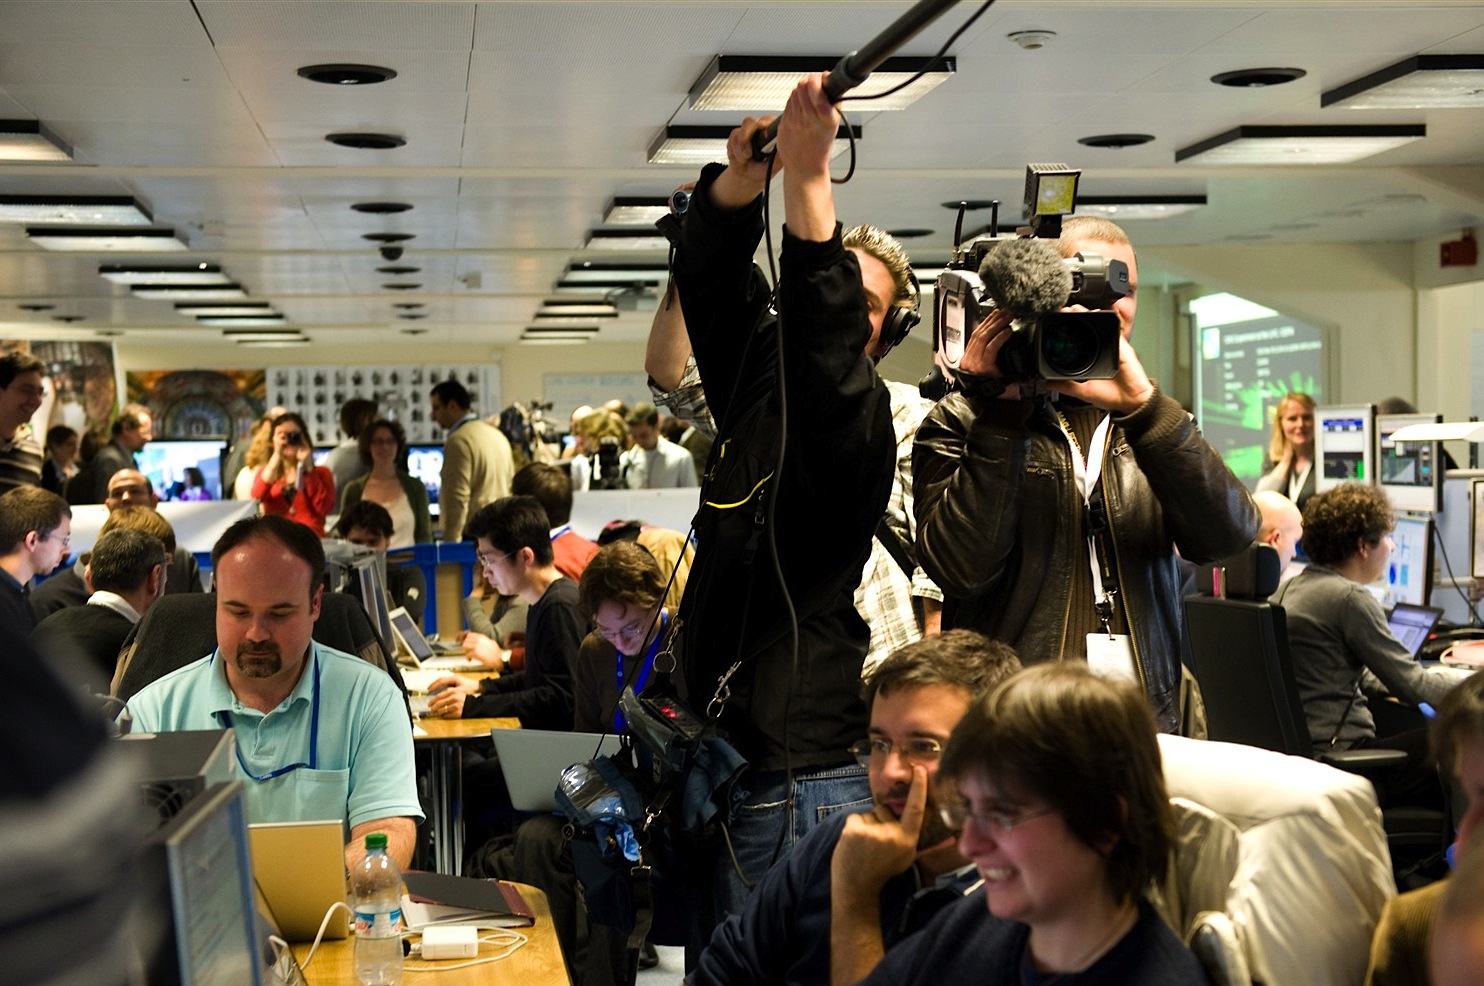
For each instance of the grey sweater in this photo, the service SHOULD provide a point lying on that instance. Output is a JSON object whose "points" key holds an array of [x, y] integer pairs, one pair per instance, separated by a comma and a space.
{"points": [[1335, 630]]}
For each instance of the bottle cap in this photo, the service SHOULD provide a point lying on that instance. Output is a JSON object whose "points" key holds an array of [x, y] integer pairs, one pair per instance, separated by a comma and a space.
{"points": [[376, 840]]}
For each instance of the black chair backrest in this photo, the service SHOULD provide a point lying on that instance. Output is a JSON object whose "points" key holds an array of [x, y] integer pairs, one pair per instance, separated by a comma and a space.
{"points": [[179, 629], [1239, 654]]}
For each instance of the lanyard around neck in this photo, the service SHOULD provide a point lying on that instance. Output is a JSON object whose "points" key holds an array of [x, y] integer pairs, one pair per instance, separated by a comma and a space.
{"points": [[641, 677], [1086, 474], [313, 732]]}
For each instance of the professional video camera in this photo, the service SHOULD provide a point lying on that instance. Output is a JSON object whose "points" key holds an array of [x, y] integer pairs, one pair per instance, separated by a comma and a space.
{"points": [[1029, 278], [607, 471]]}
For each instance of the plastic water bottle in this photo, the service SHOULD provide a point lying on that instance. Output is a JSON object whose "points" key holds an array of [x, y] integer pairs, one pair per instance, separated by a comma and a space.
{"points": [[376, 886]]}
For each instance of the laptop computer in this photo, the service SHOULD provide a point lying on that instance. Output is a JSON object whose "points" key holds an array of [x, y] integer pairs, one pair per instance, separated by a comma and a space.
{"points": [[1412, 625], [300, 871], [532, 761], [413, 646]]}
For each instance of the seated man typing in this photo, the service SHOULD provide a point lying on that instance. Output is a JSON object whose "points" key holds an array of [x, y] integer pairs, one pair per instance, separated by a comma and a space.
{"points": [[319, 733], [857, 883]]}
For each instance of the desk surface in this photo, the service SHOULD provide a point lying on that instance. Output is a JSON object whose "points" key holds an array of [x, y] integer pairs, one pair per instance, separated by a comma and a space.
{"points": [[434, 728], [538, 962]]}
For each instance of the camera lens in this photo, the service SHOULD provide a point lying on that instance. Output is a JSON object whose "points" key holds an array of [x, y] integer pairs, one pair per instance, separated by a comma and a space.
{"points": [[1068, 349]]}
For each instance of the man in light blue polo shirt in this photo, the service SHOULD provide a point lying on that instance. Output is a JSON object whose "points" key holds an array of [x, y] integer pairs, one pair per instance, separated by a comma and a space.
{"points": [[319, 733]]}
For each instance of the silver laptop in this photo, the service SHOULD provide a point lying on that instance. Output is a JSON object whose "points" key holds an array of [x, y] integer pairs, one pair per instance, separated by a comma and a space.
{"points": [[300, 872], [413, 646], [532, 761], [1412, 625]]}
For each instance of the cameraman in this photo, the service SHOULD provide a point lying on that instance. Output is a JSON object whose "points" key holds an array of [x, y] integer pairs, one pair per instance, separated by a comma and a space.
{"points": [[1007, 532], [792, 714]]}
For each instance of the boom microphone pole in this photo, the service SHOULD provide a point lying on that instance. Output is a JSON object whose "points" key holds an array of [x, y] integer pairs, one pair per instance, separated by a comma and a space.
{"points": [[856, 67]]}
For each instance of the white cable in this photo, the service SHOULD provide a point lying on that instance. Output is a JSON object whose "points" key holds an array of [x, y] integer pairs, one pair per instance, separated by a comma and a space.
{"points": [[324, 923]]}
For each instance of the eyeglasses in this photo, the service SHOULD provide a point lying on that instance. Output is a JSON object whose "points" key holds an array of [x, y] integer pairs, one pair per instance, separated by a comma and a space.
{"points": [[29, 391], [489, 558], [918, 749], [65, 542], [957, 815], [629, 632]]}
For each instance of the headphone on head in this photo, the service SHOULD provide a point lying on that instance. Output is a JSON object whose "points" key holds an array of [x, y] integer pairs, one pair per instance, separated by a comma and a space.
{"points": [[901, 318]]}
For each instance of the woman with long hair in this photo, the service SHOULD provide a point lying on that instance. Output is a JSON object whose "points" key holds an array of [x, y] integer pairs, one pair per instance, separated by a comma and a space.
{"points": [[1290, 461], [383, 445]]}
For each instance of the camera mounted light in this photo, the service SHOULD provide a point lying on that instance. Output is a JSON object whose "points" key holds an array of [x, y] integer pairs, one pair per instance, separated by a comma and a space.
{"points": [[1050, 193]]}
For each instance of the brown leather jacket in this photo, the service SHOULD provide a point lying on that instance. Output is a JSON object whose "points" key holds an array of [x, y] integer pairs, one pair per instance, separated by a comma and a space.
{"points": [[997, 510]]}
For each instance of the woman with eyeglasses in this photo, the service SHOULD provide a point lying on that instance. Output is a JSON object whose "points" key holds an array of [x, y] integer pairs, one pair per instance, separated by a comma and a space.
{"points": [[1055, 787], [289, 484]]}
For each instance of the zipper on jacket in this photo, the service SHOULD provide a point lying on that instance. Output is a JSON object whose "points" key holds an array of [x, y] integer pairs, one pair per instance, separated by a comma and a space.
{"points": [[1133, 638]]}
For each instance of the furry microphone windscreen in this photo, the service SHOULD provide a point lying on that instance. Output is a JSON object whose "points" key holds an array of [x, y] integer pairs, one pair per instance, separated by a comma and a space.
{"points": [[1026, 277]]}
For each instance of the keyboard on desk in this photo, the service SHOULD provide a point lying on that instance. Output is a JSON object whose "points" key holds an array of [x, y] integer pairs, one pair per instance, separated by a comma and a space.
{"points": [[419, 680]]}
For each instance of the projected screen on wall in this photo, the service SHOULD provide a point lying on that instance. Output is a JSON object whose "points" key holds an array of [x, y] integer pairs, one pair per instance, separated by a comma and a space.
{"points": [[1249, 357], [1409, 472], [1344, 445]]}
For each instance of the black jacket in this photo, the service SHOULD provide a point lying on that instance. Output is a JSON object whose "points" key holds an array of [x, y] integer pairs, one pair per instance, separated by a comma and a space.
{"points": [[998, 525], [828, 498]]}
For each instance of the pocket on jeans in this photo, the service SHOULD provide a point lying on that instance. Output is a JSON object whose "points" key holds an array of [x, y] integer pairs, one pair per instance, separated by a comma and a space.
{"points": [[821, 812]]}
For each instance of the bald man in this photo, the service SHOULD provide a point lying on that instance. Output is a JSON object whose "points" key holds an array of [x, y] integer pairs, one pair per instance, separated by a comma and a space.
{"points": [[1280, 524]]}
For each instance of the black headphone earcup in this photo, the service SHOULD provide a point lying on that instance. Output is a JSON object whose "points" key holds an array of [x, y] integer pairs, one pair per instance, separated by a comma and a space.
{"points": [[896, 325]]}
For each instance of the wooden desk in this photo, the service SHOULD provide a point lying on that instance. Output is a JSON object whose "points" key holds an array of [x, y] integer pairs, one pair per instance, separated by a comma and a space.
{"points": [[536, 963], [446, 782]]}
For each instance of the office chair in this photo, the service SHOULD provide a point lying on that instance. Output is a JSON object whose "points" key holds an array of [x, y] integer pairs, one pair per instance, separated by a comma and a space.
{"points": [[181, 628], [1238, 647], [1280, 867]]}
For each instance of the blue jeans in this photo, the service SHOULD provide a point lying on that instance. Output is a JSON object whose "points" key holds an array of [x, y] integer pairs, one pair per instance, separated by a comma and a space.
{"points": [[764, 830]]}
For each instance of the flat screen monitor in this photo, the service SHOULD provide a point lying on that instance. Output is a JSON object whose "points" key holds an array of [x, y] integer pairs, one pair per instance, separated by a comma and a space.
{"points": [[1345, 445], [213, 903], [165, 463], [425, 463], [1409, 573], [1411, 473], [361, 572]]}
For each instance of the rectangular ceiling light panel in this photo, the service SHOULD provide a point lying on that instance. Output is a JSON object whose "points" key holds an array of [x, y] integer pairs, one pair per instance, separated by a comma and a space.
{"points": [[763, 82], [1419, 82], [90, 239], [73, 210], [1300, 145], [701, 145]]}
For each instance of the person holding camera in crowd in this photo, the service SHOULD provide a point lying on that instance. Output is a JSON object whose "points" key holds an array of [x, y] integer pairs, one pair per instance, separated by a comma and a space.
{"points": [[779, 547], [289, 484], [1052, 524]]}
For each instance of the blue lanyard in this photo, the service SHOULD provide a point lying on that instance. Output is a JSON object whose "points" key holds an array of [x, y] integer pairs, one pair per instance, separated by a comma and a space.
{"points": [[560, 531], [313, 735], [619, 722]]}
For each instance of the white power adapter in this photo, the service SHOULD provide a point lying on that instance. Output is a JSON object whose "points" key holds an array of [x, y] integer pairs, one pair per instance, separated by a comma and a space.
{"points": [[450, 943]]}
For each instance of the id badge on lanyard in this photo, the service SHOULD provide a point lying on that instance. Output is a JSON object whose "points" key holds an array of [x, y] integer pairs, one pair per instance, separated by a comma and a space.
{"points": [[1108, 654]]}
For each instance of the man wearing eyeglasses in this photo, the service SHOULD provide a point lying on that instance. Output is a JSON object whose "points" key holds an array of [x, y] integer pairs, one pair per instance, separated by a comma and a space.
{"points": [[133, 429], [512, 537], [21, 394], [859, 882], [319, 733], [35, 532]]}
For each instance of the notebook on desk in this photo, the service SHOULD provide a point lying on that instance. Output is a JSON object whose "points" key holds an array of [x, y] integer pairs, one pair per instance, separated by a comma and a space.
{"points": [[300, 871], [1412, 625], [532, 761]]}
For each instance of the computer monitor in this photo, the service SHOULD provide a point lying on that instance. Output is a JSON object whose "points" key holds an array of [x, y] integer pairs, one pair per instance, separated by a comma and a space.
{"points": [[425, 463], [361, 572], [1345, 445], [200, 865], [1409, 573], [1410, 472], [166, 461]]}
